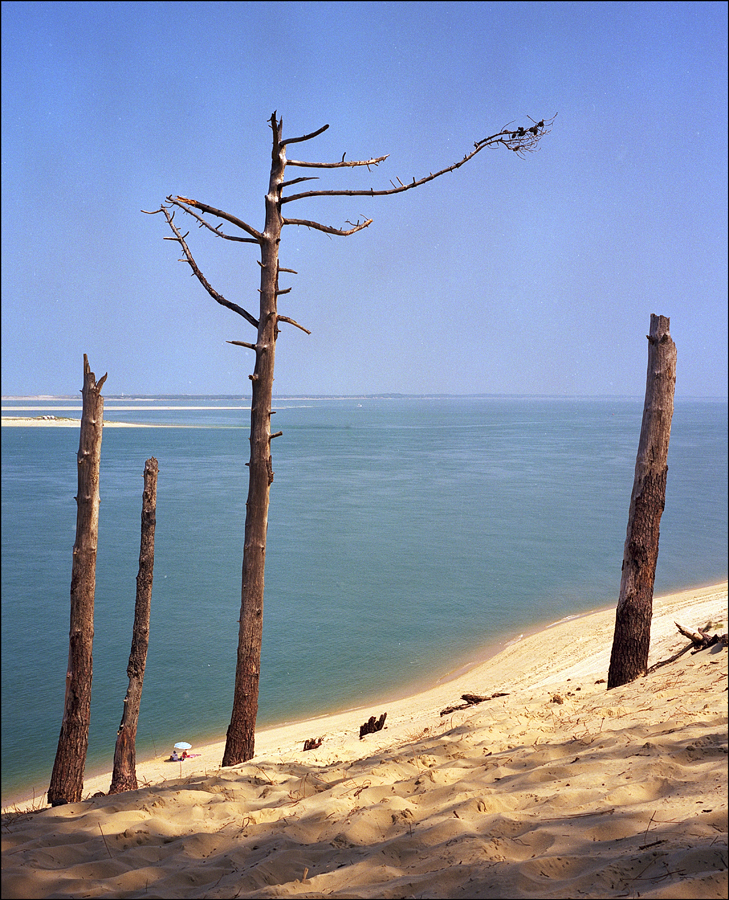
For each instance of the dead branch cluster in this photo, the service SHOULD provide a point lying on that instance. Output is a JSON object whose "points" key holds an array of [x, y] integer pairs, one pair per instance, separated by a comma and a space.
{"points": [[522, 140], [700, 640]]}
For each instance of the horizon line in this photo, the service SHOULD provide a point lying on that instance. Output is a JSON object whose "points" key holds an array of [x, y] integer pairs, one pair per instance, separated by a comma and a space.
{"points": [[382, 395]]}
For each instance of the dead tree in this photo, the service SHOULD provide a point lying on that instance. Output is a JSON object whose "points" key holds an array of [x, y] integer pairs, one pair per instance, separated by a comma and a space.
{"points": [[631, 638], [67, 778], [241, 731], [124, 777]]}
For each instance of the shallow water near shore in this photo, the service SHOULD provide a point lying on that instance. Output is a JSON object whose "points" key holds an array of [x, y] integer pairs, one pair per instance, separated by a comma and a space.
{"points": [[405, 534]]}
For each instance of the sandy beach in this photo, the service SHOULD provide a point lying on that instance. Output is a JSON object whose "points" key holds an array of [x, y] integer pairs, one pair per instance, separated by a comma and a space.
{"points": [[60, 422], [555, 788]]}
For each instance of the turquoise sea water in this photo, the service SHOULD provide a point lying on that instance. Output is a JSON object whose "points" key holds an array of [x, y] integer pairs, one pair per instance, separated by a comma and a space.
{"points": [[405, 534]]}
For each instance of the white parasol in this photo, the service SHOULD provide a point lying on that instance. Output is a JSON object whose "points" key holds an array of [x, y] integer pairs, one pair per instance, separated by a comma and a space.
{"points": [[183, 745]]}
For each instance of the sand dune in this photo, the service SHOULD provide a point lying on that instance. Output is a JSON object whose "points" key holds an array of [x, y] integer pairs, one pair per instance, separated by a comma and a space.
{"points": [[558, 789]]}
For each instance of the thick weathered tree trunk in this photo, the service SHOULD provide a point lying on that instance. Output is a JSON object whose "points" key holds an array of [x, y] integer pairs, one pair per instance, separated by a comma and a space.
{"points": [[124, 777], [631, 639], [240, 738], [68, 769]]}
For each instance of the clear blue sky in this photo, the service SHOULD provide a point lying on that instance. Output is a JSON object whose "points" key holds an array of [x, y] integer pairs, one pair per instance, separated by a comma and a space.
{"points": [[528, 276]]}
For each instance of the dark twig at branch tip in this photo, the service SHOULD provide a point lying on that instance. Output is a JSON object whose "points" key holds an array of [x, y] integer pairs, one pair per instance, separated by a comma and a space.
{"points": [[305, 137], [298, 181]]}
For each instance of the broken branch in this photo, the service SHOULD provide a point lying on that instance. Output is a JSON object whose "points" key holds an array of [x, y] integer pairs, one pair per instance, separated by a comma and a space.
{"points": [[471, 700], [327, 229], [700, 640], [306, 137], [216, 230], [292, 322], [184, 202], [375, 161], [298, 180]]}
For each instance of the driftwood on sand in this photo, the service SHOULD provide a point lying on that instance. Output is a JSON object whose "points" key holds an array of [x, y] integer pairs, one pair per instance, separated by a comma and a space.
{"points": [[700, 640], [372, 725], [471, 700]]}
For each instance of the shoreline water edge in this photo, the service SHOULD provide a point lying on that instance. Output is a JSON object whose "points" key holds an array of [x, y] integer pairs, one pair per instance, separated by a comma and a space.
{"points": [[569, 649], [548, 786]]}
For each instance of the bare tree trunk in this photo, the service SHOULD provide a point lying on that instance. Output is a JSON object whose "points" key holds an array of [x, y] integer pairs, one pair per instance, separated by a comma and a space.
{"points": [[240, 738], [68, 769], [124, 777], [631, 639]]}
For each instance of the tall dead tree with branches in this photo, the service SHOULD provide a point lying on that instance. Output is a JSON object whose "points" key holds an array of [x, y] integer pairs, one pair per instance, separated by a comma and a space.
{"points": [[241, 731]]}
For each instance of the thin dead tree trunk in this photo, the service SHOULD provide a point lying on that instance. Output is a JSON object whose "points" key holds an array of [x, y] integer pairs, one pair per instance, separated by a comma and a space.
{"points": [[241, 731], [240, 737], [631, 639], [124, 777], [67, 777]]}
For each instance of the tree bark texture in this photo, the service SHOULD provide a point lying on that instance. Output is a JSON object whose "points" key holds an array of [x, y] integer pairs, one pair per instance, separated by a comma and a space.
{"points": [[240, 738], [124, 777], [68, 769], [631, 638]]}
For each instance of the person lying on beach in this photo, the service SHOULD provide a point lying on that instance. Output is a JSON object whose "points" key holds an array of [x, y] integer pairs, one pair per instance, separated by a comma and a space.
{"points": [[176, 757]]}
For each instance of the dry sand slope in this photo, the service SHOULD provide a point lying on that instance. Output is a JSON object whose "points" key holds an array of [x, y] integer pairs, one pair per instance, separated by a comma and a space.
{"points": [[557, 790]]}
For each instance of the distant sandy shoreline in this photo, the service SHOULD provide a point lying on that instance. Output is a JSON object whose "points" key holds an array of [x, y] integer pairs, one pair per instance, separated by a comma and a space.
{"points": [[65, 422], [58, 422]]}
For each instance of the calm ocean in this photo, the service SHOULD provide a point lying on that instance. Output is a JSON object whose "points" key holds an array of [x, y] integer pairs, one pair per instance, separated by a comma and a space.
{"points": [[406, 534]]}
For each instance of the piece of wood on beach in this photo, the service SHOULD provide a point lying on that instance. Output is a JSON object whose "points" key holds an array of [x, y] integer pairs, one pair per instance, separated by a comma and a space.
{"points": [[372, 725], [312, 743], [472, 700], [700, 640]]}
